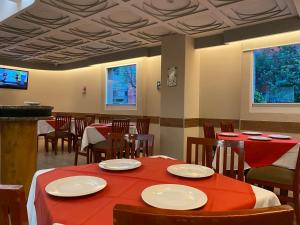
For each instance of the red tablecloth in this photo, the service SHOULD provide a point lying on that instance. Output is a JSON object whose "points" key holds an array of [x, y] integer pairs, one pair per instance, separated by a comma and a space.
{"points": [[263, 153], [52, 123], [125, 187], [103, 129]]}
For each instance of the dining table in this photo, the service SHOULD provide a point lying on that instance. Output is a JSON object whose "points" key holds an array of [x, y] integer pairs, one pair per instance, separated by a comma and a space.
{"points": [[98, 132], [48, 126], [265, 151], [125, 187]]}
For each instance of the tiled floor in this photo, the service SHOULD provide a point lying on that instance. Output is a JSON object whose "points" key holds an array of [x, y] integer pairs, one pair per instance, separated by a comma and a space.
{"points": [[48, 160]]}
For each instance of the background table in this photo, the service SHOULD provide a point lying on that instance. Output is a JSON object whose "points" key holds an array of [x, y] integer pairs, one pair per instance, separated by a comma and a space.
{"points": [[48, 126], [125, 187], [97, 133], [278, 152]]}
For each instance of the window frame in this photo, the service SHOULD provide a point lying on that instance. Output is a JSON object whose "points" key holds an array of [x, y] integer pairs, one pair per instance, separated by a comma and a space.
{"points": [[121, 106]]}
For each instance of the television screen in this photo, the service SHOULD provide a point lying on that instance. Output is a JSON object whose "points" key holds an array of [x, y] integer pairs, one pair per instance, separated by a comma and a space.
{"points": [[10, 78]]}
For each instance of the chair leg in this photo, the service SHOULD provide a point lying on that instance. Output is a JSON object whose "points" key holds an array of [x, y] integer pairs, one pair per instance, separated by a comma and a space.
{"points": [[46, 144], [69, 144], [284, 193], [54, 146], [76, 157], [296, 203], [88, 156], [62, 144]]}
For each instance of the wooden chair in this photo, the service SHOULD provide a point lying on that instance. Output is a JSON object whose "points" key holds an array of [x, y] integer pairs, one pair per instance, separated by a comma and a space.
{"points": [[143, 145], [229, 155], [227, 126], [278, 177], [142, 126], [80, 125], [105, 120], [117, 147], [129, 215], [90, 119], [209, 130], [12, 205], [120, 126], [63, 131]]}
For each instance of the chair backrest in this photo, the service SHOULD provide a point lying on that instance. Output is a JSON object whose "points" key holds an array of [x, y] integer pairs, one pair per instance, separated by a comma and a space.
{"points": [[142, 126], [230, 159], [227, 126], [209, 130], [120, 126], [204, 146], [297, 172], [118, 146], [90, 119], [80, 124], [128, 215], [12, 205], [104, 120], [143, 145], [63, 123]]}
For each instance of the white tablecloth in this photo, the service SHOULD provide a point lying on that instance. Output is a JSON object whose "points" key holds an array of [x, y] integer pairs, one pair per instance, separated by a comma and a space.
{"points": [[287, 160], [44, 128], [92, 136], [264, 198]]}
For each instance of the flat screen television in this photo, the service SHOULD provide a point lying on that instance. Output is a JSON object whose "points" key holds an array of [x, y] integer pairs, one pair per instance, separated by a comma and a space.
{"points": [[16, 79]]}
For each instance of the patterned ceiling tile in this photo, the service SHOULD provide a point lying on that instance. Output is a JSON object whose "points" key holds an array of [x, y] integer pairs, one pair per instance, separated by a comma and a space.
{"points": [[97, 48], [64, 40], [19, 27], [170, 9], [24, 51], [153, 34], [124, 21], [75, 53], [123, 42], [198, 24], [42, 46], [244, 13], [57, 58], [90, 31], [45, 16], [7, 39], [82, 8], [218, 3]]}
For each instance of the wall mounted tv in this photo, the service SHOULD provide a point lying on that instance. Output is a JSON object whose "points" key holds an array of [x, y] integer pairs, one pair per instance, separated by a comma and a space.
{"points": [[16, 79]]}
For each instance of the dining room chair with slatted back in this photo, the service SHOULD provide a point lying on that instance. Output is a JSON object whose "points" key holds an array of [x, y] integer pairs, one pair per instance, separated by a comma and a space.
{"points": [[287, 180], [117, 147], [105, 120], [201, 150], [120, 126], [142, 125], [143, 145], [230, 159], [227, 126], [80, 124], [62, 131], [209, 130], [129, 215], [12, 205], [90, 119]]}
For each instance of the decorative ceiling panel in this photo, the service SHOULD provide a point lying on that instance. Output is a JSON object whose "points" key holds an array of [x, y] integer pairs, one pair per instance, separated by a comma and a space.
{"points": [[63, 31]]}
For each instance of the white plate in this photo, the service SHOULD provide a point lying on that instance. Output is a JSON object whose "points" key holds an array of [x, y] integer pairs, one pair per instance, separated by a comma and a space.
{"points": [[75, 186], [279, 136], [174, 196], [32, 103], [229, 134], [190, 170], [120, 164], [260, 138], [252, 133]]}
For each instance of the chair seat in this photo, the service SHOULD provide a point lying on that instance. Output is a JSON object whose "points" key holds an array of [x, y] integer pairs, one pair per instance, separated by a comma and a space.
{"points": [[60, 134], [272, 174]]}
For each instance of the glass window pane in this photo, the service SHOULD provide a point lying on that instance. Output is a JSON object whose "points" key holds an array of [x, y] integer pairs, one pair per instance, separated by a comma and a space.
{"points": [[276, 77], [121, 85]]}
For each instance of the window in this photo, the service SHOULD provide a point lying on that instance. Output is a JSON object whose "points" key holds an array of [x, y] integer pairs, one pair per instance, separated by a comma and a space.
{"points": [[276, 77], [121, 85]]}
